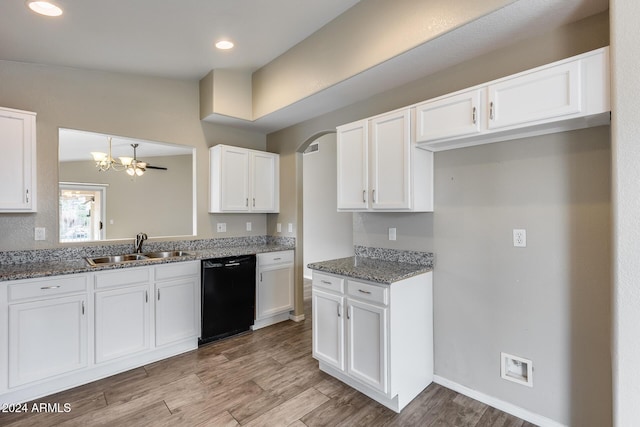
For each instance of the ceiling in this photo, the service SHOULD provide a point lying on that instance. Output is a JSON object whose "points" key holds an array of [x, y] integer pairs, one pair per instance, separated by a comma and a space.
{"points": [[166, 38], [174, 39]]}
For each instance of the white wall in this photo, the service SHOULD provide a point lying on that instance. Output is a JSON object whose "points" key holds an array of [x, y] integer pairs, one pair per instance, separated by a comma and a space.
{"points": [[625, 39], [328, 234]]}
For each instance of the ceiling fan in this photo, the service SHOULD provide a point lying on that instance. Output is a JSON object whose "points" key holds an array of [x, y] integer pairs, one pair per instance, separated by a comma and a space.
{"points": [[137, 167]]}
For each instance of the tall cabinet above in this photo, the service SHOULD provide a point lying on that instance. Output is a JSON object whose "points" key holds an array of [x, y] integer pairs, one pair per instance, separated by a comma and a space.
{"points": [[18, 172], [243, 180]]}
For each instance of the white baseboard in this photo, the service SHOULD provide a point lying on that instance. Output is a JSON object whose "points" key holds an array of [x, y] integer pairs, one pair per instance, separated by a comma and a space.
{"points": [[507, 407]]}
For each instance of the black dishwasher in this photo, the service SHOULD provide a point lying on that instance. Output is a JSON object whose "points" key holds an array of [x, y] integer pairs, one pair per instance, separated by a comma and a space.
{"points": [[228, 296]]}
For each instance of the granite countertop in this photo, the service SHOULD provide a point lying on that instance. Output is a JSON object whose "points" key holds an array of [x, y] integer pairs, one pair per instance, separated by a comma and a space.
{"points": [[371, 269], [31, 270]]}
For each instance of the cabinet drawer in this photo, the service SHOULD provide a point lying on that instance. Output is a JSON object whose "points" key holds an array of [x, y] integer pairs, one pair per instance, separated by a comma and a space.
{"points": [[44, 288], [122, 277], [178, 269], [367, 292], [325, 281], [281, 257]]}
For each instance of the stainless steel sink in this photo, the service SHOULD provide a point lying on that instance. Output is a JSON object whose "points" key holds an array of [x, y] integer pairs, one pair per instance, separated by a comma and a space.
{"points": [[115, 259], [119, 259], [166, 254]]}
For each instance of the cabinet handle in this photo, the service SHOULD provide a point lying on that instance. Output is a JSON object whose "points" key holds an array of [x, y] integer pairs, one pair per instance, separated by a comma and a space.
{"points": [[50, 287], [364, 292], [83, 308], [158, 294], [246, 202], [338, 307], [254, 202], [27, 195], [473, 115], [364, 196], [491, 110], [373, 195], [326, 282], [277, 259], [348, 312], [261, 277], [146, 296]]}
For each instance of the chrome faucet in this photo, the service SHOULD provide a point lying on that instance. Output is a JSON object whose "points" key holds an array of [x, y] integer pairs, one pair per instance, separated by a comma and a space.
{"points": [[141, 237]]}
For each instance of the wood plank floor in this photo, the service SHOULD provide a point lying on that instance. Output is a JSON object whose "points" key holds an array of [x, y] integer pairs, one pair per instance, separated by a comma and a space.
{"points": [[263, 378]]}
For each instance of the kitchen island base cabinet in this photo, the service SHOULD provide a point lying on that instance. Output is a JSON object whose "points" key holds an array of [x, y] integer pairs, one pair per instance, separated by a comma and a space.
{"points": [[376, 338]]}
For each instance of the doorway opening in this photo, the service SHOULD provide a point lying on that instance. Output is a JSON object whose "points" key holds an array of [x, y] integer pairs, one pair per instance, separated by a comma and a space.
{"points": [[82, 212], [327, 233]]}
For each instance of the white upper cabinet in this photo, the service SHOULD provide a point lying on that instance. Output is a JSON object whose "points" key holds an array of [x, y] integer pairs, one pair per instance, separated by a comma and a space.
{"points": [[353, 171], [390, 174], [450, 117], [565, 95], [380, 169], [243, 180], [264, 184], [18, 172], [548, 94]]}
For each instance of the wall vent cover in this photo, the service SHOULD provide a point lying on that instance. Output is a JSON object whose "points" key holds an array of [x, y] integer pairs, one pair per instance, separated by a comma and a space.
{"points": [[312, 148]]}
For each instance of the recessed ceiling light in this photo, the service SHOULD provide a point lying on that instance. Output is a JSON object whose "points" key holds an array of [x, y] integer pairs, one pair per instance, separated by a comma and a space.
{"points": [[224, 44], [44, 8]]}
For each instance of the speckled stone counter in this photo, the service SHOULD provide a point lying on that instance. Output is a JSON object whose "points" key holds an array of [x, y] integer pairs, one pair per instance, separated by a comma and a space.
{"points": [[78, 264], [374, 269]]}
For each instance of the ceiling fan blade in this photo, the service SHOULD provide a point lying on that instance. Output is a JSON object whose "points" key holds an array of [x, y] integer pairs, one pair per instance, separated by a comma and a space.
{"points": [[156, 167]]}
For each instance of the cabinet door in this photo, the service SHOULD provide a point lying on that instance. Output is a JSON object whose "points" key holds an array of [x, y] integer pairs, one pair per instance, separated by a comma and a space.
{"points": [[450, 117], [328, 328], [47, 338], [542, 95], [17, 174], [122, 322], [368, 342], [264, 182], [176, 310], [275, 290], [235, 179], [390, 176], [353, 172]]}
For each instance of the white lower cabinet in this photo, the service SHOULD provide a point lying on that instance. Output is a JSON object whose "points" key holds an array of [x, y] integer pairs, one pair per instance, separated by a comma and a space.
{"points": [[122, 322], [368, 343], [274, 288], [177, 310], [328, 336], [64, 331], [376, 338], [47, 338]]}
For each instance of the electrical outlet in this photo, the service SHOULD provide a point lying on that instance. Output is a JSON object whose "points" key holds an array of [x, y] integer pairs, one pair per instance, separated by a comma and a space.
{"points": [[290, 228], [248, 226], [519, 238], [40, 233], [279, 228], [392, 233], [221, 227]]}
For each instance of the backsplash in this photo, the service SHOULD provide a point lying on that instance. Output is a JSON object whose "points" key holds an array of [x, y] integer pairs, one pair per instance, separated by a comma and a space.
{"points": [[75, 252], [409, 257]]}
